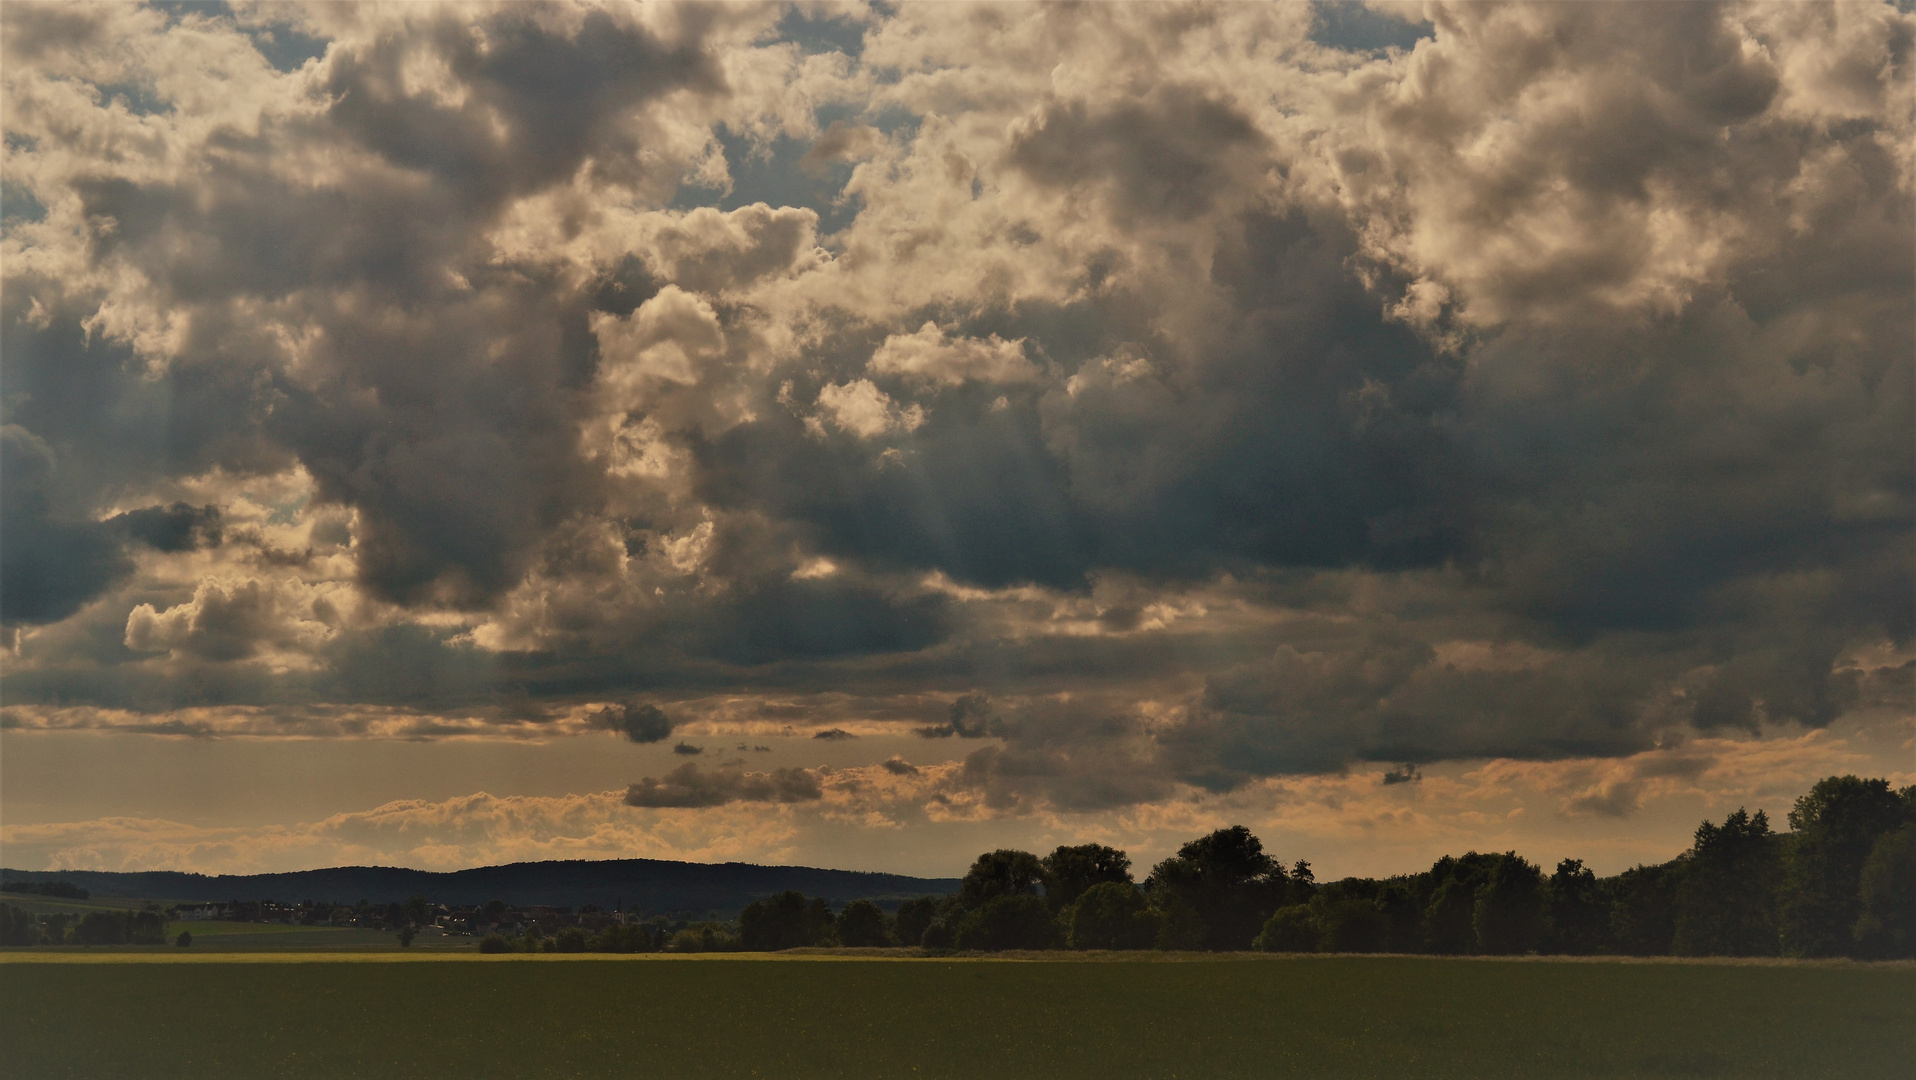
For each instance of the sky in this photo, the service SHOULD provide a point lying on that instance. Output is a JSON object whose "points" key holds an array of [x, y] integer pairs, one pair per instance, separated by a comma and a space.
{"points": [[867, 435]]}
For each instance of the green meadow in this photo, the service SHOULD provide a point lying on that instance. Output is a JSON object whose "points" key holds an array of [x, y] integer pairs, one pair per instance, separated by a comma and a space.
{"points": [[383, 1014]]}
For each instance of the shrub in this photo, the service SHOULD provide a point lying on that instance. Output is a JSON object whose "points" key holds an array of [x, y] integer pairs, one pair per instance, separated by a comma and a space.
{"points": [[1011, 921], [1112, 915], [494, 943], [570, 940], [185, 939], [1289, 929], [1351, 925]]}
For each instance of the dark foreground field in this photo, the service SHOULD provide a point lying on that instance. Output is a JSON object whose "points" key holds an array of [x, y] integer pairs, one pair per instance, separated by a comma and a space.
{"points": [[284, 1016]]}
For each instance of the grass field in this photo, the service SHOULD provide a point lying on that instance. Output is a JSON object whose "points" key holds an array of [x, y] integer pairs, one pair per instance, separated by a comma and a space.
{"points": [[379, 1015]]}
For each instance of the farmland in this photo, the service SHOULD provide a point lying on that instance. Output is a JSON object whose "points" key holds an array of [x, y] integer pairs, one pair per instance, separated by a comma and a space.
{"points": [[155, 1013]]}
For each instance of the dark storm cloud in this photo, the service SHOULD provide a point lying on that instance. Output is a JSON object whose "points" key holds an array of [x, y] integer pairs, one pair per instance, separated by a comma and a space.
{"points": [[638, 721], [1166, 154], [688, 786], [178, 527], [48, 566]]}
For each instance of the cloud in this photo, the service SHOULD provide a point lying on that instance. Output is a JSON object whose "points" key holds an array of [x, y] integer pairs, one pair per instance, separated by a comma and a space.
{"points": [[637, 721], [1302, 392], [864, 410], [933, 356], [690, 787], [228, 620]]}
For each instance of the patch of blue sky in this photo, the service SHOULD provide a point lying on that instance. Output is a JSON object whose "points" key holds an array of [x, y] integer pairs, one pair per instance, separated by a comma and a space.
{"points": [[776, 174], [138, 100], [1353, 27], [816, 33], [18, 205]]}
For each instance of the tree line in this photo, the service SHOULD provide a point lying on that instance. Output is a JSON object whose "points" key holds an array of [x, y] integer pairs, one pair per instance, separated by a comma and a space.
{"points": [[1840, 882]]}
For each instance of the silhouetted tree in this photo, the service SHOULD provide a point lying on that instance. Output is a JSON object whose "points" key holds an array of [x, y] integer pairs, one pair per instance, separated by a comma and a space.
{"points": [[1070, 871], [1507, 913], [1112, 915], [1180, 928], [1448, 928], [1005, 872], [1228, 881], [406, 934], [18, 926], [1835, 826], [1575, 909], [418, 910], [862, 926], [784, 921], [147, 927], [1403, 918], [1014, 921], [1643, 910], [185, 939], [494, 943], [1886, 929], [570, 940], [1726, 900], [100, 928], [914, 916]]}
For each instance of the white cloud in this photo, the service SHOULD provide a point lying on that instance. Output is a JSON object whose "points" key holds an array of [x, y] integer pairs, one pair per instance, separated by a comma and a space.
{"points": [[933, 356], [866, 411]]}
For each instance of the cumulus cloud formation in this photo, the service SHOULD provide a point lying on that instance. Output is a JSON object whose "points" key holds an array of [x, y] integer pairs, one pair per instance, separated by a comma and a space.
{"points": [[1168, 399], [687, 785]]}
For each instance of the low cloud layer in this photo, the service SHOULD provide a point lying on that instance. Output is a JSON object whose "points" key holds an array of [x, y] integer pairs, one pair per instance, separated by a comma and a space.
{"points": [[1157, 401]]}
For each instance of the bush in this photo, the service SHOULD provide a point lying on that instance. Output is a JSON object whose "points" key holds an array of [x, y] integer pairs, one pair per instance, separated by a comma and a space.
{"points": [[185, 939], [1180, 927], [494, 943], [406, 934], [704, 937], [937, 936], [570, 940], [622, 939], [1112, 915], [1008, 922], [1289, 929], [1350, 925]]}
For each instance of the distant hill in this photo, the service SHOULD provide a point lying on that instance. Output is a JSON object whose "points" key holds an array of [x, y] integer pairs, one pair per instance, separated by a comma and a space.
{"points": [[652, 886]]}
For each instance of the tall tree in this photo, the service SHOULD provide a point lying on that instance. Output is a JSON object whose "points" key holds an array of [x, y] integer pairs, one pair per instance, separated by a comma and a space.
{"points": [[1228, 880], [1886, 929], [1726, 902], [783, 921], [1072, 870], [862, 925], [1643, 909], [1005, 872], [1575, 909], [1507, 910], [1836, 825]]}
